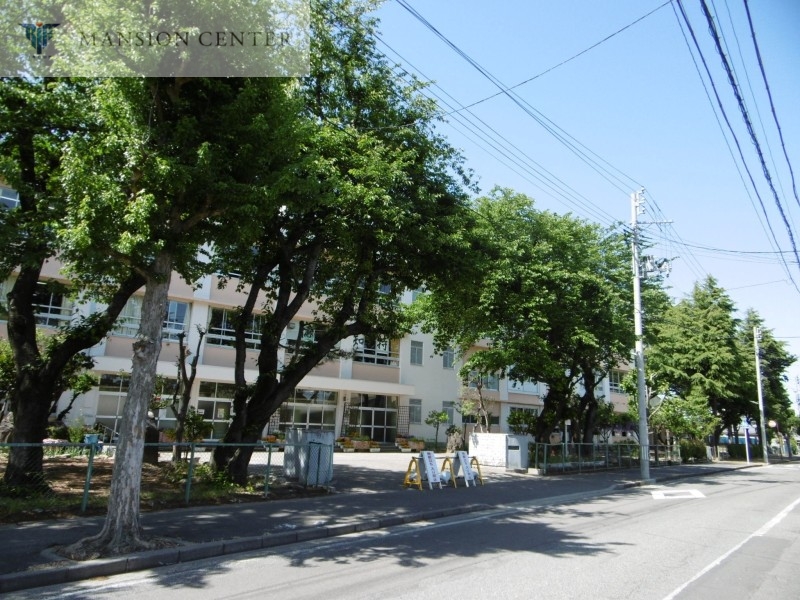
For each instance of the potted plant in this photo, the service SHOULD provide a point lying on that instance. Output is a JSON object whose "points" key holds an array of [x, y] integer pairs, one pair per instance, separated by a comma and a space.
{"points": [[416, 444], [360, 442]]}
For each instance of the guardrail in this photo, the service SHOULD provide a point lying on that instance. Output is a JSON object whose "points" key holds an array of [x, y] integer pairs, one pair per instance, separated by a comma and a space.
{"points": [[578, 458]]}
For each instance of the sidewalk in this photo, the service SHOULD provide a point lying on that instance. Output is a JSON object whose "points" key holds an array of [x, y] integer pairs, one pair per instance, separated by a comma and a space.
{"points": [[367, 494]]}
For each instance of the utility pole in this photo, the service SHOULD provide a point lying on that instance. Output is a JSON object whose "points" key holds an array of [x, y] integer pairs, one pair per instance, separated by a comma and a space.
{"points": [[637, 198], [756, 339]]}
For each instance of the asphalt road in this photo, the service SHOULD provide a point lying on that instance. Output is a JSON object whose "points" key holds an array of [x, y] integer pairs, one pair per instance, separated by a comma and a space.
{"points": [[735, 536]]}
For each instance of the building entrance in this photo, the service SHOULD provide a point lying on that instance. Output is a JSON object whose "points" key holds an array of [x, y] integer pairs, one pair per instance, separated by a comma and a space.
{"points": [[374, 416]]}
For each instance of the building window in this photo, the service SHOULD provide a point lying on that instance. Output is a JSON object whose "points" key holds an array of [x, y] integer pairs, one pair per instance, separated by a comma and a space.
{"points": [[449, 408], [8, 198], [314, 409], [214, 404], [527, 410], [473, 419], [221, 329], [488, 382], [415, 411], [448, 358], [416, 353], [615, 381], [51, 308], [127, 323], [113, 390], [292, 333], [176, 319], [524, 387], [375, 351]]}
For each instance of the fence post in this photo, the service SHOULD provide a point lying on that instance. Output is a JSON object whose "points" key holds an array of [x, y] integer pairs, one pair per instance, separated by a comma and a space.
{"points": [[85, 501], [269, 465], [319, 463], [546, 451], [189, 473]]}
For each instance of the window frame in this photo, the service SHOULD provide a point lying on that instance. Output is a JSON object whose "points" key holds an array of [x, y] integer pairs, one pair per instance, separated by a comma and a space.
{"points": [[416, 353], [415, 408]]}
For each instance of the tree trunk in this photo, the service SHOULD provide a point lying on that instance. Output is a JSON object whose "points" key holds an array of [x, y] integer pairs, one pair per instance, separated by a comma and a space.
{"points": [[39, 376], [25, 469], [122, 531]]}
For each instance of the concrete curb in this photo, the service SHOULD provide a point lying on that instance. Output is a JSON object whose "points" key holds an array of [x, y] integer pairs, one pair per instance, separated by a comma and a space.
{"points": [[150, 559]]}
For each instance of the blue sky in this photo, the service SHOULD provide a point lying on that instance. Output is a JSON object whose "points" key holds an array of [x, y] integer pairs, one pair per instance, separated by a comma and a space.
{"points": [[636, 104]]}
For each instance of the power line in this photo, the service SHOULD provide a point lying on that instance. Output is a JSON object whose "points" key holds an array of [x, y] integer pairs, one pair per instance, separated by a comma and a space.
{"points": [[748, 123], [555, 131], [733, 134], [762, 220], [570, 59], [510, 152], [769, 95]]}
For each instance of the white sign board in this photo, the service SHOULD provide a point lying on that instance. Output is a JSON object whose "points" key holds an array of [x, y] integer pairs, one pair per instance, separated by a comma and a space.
{"points": [[430, 472], [461, 461]]}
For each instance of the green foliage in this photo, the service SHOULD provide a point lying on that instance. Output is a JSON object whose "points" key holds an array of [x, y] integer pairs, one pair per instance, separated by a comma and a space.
{"points": [[522, 422], [362, 201], [696, 353], [689, 417], [6, 372], [552, 292], [703, 355], [195, 427], [76, 433], [436, 418], [58, 432], [739, 452], [693, 451]]}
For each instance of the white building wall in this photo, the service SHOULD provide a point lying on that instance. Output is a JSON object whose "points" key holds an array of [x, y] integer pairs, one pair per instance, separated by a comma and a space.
{"points": [[432, 383]]}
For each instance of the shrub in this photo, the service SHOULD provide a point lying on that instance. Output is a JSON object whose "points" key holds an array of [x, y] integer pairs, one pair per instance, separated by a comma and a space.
{"points": [[738, 452], [692, 450], [521, 422], [58, 432], [76, 433]]}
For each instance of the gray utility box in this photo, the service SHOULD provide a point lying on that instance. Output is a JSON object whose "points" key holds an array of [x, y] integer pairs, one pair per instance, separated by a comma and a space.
{"points": [[308, 456], [517, 452]]}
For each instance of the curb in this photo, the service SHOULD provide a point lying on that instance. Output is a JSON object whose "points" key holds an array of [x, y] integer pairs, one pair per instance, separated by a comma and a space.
{"points": [[150, 559]]}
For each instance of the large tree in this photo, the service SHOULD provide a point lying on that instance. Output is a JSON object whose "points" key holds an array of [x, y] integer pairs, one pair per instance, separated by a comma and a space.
{"points": [[549, 300], [697, 354], [37, 119], [373, 206], [774, 360], [171, 162]]}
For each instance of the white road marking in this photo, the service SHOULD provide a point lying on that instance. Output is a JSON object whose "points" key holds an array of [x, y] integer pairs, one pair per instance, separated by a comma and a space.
{"points": [[676, 494], [760, 532]]}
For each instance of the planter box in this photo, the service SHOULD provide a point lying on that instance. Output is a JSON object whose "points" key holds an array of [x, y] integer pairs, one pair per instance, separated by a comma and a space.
{"points": [[404, 449], [374, 449], [348, 449], [360, 445]]}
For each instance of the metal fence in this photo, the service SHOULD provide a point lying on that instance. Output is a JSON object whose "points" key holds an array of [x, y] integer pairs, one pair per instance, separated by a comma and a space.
{"points": [[76, 477], [579, 458]]}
